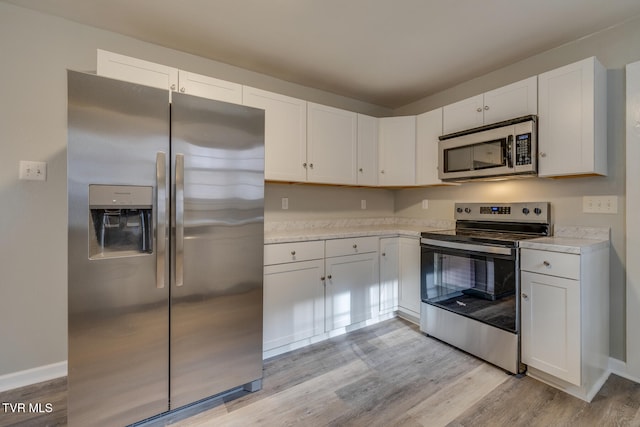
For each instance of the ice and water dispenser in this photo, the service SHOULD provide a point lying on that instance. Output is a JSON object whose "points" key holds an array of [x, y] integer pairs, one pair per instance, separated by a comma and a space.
{"points": [[121, 221]]}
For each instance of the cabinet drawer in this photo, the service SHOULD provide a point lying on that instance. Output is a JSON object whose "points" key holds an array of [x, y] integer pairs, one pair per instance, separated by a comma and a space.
{"points": [[279, 253], [551, 263], [351, 246]]}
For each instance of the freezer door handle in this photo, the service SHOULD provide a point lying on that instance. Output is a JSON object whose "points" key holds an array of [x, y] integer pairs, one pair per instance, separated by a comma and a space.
{"points": [[179, 219], [161, 218]]}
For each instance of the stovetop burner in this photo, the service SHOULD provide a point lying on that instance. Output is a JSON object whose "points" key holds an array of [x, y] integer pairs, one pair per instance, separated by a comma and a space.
{"points": [[502, 224]]}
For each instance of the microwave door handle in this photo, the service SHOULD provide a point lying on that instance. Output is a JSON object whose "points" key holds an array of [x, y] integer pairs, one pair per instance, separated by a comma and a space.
{"points": [[179, 204], [510, 151], [161, 218]]}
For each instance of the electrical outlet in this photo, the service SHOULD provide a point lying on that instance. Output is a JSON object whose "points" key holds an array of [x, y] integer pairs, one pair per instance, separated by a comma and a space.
{"points": [[363, 204], [425, 204], [600, 204], [285, 203], [33, 171]]}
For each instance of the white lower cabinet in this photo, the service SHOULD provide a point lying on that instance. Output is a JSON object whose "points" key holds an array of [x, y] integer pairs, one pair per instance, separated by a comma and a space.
{"points": [[409, 277], [352, 282], [400, 276], [551, 325], [293, 293], [389, 274], [312, 289], [293, 302], [565, 317]]}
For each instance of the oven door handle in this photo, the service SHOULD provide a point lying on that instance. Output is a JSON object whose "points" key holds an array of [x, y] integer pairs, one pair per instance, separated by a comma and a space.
{"points": [[487, 249]]}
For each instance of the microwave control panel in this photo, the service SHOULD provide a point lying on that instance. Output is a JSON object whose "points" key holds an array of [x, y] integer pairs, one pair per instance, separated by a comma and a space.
{"points": [[523, 149]]}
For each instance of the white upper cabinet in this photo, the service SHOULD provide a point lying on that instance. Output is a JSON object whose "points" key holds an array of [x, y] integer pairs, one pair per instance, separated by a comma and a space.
{"points": [[208, 87], [285, 134], [508, 102], [572, 128], [367, 150], [135, 70], [428, 129], [331, 145], [151, 74], [397, 151]]}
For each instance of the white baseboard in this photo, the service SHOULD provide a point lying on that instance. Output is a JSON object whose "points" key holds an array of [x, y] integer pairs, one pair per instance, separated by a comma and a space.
{"points": [[33, 376], [619, 368]]}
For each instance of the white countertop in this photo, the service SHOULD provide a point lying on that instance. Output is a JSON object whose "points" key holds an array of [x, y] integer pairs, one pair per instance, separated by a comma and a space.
{"points": [[337, 229], [568, 245]]}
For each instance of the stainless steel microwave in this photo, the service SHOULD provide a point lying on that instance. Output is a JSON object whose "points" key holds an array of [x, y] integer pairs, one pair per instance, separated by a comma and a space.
{"points": [[500, 150]]}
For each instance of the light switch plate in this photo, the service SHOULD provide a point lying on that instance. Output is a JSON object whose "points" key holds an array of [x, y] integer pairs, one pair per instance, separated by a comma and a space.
{"points": [[600, 204], [33, 171], [285, 203], [363, 204]]}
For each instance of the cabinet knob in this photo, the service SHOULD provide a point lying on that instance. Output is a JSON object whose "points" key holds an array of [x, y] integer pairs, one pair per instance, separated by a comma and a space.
{"points": [[311, 165], [304, 165], [322, 278], [361, 170], [173, 87], [384, 254], [293, 253], [546, 263], [382, 171], [329, 277], [543, 154], [525, 296], [355, 246], [486, 107], [182, 89], [479, 109]]}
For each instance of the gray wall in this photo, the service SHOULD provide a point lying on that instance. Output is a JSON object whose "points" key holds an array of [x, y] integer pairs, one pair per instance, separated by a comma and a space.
{"points": [[36, 51]]}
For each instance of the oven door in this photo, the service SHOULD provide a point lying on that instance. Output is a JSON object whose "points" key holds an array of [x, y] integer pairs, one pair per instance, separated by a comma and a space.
{"points": [[473, 280]]}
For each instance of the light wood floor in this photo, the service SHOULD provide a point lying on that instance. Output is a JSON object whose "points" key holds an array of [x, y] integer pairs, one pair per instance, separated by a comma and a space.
{"points": [[385, 375]]}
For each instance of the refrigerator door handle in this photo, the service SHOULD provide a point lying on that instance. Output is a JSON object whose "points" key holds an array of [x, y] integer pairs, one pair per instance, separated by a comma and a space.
{"points": [[161, 217], [179, 194]]}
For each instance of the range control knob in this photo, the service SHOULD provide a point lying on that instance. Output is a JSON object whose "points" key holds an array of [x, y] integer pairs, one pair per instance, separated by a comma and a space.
{"points": [[467, 210], [537, 211], [459, 210], [525, 211]]}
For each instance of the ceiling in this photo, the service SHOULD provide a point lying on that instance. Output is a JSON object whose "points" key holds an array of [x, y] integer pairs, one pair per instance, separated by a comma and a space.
{"points": [[385, 52]]}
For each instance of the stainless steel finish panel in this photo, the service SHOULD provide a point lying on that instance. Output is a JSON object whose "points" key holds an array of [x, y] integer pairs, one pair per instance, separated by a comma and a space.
{"points": [[487, 249], [118, 318], [491, 344], [216, 316]]}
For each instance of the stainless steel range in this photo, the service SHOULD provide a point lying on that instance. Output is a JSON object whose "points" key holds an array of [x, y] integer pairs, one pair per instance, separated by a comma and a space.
{"points": [[470, 278]]}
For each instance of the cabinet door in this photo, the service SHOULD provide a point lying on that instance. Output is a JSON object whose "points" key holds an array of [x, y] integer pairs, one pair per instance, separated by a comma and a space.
{"points": [[352, 290], [397, 151], [463, 115], [409, 273], [367, 150], [550, 308], [389, 274], [331, 145], [293, 302], [208, 87], [428, 129], [285, 134], [135, 70], [509, 102], [572, 120]]}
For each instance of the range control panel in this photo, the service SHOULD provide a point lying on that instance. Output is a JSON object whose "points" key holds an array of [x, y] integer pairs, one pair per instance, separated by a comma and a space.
{"points": [[538, 212]]}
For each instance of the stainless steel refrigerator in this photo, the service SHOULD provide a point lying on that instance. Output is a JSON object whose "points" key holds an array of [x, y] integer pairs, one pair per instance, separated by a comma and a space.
{"points": [[166, 210]]}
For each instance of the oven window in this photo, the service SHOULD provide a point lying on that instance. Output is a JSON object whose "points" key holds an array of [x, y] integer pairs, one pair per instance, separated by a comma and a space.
{"points": [[483, 155], [478, 286]]}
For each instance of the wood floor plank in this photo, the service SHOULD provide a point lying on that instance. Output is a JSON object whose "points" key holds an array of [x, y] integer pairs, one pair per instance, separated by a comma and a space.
{"points": [[446, 405]]}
